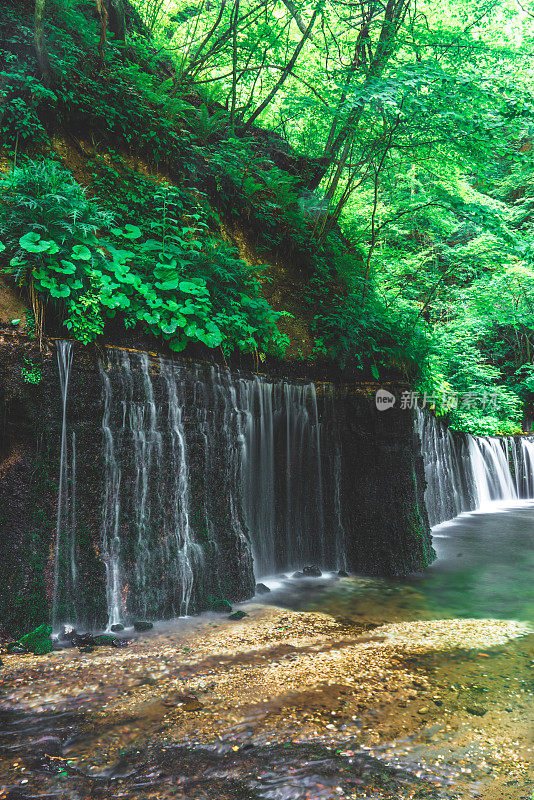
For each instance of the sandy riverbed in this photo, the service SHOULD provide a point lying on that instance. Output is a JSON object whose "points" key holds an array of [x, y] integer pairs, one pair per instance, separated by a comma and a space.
{"points": [[449, 700]]}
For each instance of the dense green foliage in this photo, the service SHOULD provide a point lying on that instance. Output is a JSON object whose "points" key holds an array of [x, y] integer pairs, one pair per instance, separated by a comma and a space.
{"points": [[161, 275], [394, 170]]}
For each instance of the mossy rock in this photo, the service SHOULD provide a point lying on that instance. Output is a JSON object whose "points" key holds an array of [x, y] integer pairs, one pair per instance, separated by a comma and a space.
{"points": [[37, 642], [141, 625], [43, 647], [221, 607]]}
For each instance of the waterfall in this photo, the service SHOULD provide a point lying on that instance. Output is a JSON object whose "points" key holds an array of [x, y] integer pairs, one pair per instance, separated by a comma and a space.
{"points": [[491, 469], [468, 473], [256, 448], [65, 570], [525, 477], [451, 486], [111, 510], [282, 474]]}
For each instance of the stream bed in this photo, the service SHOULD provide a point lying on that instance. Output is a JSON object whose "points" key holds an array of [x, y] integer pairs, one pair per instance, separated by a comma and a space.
{"points": [[352, 687]]}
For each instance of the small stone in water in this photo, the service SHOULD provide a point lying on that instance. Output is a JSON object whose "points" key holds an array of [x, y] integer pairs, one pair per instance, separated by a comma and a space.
{"points": [[312, 571], [190, 703], [238, 615], [477, 711]]}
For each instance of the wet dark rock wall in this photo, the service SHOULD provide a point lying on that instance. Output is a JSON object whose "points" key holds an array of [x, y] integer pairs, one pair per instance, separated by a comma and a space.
{"points": [[286, 473]]}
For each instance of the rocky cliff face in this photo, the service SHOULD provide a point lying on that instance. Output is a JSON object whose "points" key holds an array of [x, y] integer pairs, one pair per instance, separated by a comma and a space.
{"points": [[181, 479]]}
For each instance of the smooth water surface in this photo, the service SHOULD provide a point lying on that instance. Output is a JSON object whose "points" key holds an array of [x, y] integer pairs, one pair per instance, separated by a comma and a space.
{"points": [[485, 565], [484, 568]]}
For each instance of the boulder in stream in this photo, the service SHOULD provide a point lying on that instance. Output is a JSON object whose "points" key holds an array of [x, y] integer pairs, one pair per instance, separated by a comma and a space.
{"points": [[37, 642], [221, 607], [141, 625], [312, 571], [238, 615], [261, 588]]}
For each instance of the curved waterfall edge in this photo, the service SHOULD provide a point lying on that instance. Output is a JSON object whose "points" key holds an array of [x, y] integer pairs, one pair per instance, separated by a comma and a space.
{"points": [[467, 473]]}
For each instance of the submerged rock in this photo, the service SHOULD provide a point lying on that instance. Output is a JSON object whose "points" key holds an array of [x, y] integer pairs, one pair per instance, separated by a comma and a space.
{"points": [[106, 640], [190, 703], [141, 625], [312, 571], [298, 574], [238, 615], [261, 588], [477, 711]]}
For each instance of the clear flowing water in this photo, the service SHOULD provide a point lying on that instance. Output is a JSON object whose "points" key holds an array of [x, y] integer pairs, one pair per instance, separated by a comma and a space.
{"points": [[484, 568], [485, 565]]}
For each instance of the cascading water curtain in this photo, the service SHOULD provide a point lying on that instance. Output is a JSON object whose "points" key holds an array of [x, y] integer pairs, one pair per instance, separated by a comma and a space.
{"points": [[255, 449], [468, 473], [150, 551], [65, 562], [282, 474]]}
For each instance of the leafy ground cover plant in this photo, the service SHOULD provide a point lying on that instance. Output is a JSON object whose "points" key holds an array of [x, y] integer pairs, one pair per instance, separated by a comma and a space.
{"points": [[164, 273]]}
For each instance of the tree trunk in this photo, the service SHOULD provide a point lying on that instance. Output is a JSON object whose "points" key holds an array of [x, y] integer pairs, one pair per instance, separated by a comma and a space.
{"points": [[103, 15], [40, 43], [235, 23]]}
